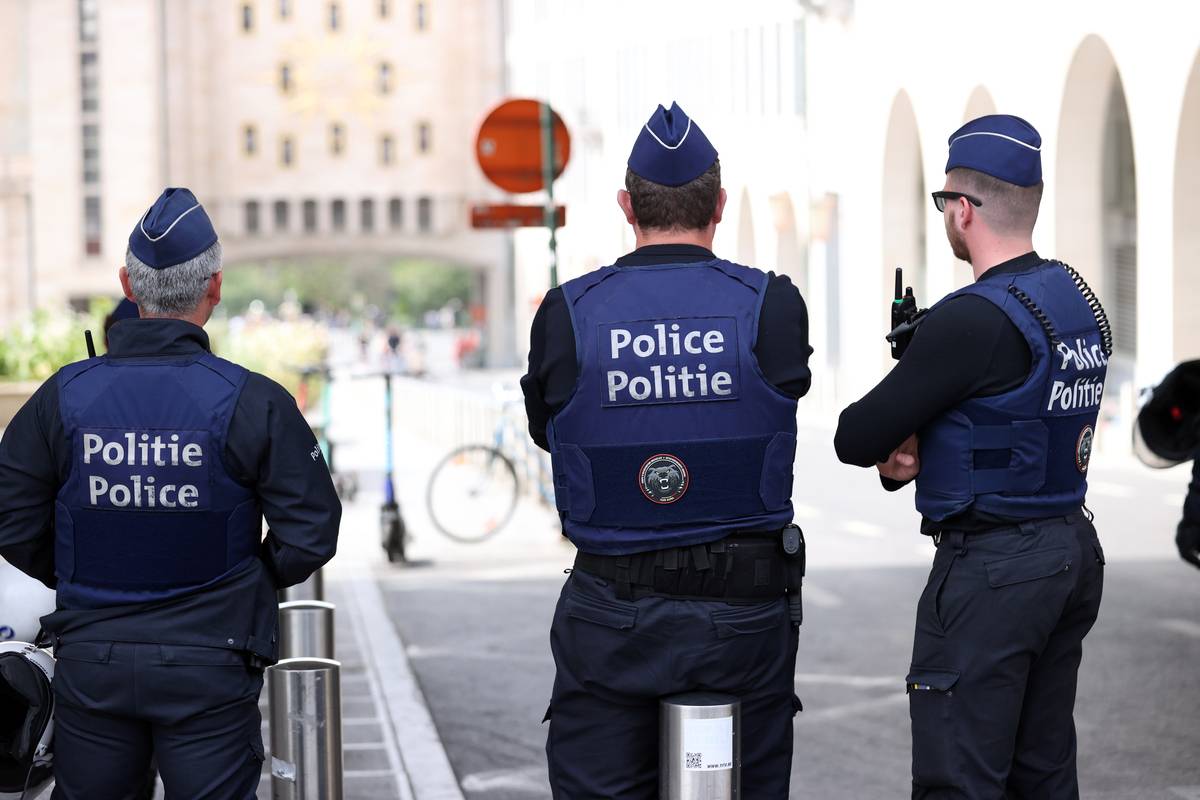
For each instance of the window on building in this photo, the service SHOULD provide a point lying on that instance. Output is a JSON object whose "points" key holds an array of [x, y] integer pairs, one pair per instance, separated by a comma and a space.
{"points": [[92, 227], [249, 140], [287, 151], [285, 9], [337, 139], [250, 217], [285, 78], [424, 214], [387, 147], [335, 16], [282, 213], [247, 17], [337, 215], [88, 20], [91, 154], [395, 213], [89, 80], [424, 138], [422, 12], [366, 214], [309, 212], [385, 77]]}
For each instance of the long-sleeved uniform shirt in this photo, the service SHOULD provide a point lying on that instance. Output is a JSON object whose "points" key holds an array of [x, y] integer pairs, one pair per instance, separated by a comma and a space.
{"points": [[268, 448], [782, 347], [964, 348]]}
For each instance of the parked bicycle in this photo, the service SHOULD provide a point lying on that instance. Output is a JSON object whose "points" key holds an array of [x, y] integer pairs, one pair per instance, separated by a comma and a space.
{"points": [[473, 491]]}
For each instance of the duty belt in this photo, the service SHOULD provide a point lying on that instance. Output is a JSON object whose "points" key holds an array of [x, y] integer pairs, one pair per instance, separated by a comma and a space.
{"points": [[744, 567]]}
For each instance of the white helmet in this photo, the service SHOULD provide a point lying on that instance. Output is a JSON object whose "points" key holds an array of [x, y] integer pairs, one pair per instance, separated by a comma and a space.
{"points": [[27, 724], [23, 600]]}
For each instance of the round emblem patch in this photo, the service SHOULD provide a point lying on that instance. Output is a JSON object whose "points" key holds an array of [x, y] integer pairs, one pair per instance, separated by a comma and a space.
{"points": [[663, 478], [1083, 448]]}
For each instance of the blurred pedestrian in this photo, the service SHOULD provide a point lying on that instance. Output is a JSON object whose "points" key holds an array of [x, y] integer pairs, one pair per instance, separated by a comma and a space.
{"points": [[992, 410], [665, 387], [135, 483]]}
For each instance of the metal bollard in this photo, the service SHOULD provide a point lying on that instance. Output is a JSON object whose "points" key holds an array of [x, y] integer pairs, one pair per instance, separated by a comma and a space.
{"points": [[306, 729], [305, 629], [311, 589], [700, 747]]}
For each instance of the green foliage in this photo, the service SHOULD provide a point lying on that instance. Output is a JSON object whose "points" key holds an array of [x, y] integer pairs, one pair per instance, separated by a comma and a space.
{"points": [[276, 348], [404, 289], [35, 348]]}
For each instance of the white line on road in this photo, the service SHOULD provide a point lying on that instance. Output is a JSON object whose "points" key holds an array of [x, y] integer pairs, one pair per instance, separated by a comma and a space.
{"points": [[424, 757], [1187, 792], [523, 779], [1109, 489], [1184, 626], [850, 709], [864, 529], [821, 598], [857, 681], [801, 511], [417, 651]]}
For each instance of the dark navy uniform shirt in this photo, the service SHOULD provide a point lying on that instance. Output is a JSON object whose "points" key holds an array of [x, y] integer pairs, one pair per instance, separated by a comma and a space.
{"points": [[268, 447], [782, 347]]}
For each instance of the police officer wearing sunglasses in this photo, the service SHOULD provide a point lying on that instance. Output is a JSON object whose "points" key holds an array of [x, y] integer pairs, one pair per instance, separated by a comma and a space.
{"points": [[992, 410]]}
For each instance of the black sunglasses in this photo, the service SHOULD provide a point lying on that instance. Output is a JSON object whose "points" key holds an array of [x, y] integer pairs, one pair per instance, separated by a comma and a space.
{"points": [[940, 198]]}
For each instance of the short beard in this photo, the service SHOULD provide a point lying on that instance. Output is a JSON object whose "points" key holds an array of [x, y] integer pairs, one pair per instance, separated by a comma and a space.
{"points": [[959, 246]]}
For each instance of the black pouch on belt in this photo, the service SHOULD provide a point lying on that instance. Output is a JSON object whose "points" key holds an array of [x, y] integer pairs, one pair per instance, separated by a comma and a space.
{"points": [[794, 564]]}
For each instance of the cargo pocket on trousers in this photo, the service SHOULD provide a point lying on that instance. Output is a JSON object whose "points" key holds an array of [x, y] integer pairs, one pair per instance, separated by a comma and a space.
{"points": [[599, 611], [739, 621], [931, 707], [1027, 567]]}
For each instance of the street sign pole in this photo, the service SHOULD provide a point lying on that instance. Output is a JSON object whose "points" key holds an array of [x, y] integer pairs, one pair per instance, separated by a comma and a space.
{"points": [[548, 169]]}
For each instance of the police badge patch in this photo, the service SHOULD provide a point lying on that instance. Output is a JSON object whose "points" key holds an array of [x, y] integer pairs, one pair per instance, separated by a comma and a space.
{"points": [[663, 478], [1083, 448]]}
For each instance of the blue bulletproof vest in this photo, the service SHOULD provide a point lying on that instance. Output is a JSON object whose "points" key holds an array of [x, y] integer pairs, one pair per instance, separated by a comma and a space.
{"points": [[1023, 454], [149, 511], [672, 436]]}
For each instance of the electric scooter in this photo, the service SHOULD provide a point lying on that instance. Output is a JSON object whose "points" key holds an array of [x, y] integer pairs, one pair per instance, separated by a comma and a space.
{"points": [[393, 532]]}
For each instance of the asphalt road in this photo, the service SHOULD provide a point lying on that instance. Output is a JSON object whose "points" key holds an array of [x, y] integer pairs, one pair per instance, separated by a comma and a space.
{"points": [[476, 620]]}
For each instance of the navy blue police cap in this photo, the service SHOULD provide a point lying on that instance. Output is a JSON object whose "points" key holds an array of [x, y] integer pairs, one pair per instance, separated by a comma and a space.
{"points": [[671, 150], [174, 230], [1000, 145]]}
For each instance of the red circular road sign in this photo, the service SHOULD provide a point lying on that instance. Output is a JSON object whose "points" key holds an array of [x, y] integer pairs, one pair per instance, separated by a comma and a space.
{"points": [[509, 145]]}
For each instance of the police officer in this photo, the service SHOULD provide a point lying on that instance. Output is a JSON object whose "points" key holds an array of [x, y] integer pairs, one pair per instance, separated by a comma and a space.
{"points": [[136, 483], [992, 410], [665, 387]]}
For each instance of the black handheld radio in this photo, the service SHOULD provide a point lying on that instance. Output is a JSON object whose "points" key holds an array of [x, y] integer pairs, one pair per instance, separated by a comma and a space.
{"points": [[905, 316]]}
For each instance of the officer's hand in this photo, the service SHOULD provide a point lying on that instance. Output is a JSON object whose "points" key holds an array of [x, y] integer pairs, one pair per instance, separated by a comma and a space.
{"points": [[1187, 539], [904, 463]]}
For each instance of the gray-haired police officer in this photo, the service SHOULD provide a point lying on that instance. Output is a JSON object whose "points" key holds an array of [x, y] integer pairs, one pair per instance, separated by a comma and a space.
{"points": [[999, 389], [136, 483], [665, 387]]}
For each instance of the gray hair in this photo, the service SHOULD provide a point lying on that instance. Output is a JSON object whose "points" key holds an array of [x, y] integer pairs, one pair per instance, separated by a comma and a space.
{"points": [[174, 291]]}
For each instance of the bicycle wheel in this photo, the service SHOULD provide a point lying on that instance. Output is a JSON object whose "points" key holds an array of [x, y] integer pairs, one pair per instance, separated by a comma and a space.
{"points": [[472, 493]]}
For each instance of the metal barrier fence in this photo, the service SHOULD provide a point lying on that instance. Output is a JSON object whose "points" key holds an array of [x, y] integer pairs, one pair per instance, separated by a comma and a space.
{"points": [[306, 729], [700, 747]]}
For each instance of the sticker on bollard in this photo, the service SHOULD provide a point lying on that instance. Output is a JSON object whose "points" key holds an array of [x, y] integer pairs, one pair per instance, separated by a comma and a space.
{"points": [[699, 747], [708, 743], [306, 729]]}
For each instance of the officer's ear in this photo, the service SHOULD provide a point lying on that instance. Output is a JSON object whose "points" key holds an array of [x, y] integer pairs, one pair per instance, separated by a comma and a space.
{"points": [[626, 204], [126, 287], [720, 210], [214, 290], [966, 213]]}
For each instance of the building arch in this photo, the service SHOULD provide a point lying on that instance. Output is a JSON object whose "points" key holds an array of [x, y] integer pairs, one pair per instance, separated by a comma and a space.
{"points": [[979, 104], [904, 201], [1096, 196], [791, 254], [746, 252], [1186, 269]]}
